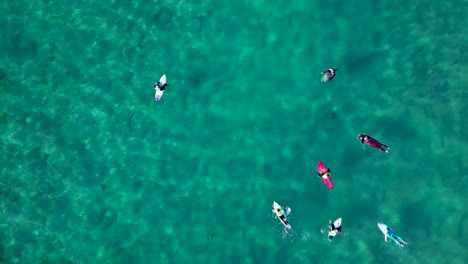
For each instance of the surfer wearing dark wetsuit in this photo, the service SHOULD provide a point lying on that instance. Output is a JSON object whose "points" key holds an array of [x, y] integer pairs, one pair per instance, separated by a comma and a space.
{"points": [[329, 74], [280, 213], [368, 140], [160, 85], [333, 230]]}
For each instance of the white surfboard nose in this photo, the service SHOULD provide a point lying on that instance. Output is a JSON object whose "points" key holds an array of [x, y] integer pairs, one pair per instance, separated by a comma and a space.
{"points": [[163, 79], [337, 223], [382, 227], [276, 205]]}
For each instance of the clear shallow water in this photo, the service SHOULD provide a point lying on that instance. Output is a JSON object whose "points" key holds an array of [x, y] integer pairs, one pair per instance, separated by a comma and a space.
{"points": [[95, 171]]}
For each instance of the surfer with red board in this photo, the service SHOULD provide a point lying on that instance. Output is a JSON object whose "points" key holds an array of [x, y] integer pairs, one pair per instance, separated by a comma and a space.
{"points": [[368, 140], [324, 174]]}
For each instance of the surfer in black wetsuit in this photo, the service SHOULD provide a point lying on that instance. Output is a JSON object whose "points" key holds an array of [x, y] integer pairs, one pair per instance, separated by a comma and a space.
{"points": [[329, 74], [333, 230], [160, 86], [282, 216]]}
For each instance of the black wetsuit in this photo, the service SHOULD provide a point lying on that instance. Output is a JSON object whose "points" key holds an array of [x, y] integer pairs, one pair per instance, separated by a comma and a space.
{"points": [[283, 218], [161, 86], [332, 228], [330, 73]]}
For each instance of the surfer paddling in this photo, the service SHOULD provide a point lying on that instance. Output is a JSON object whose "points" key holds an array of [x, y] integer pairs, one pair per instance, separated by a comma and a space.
{"points": [[329, 74], [368, 140], [391, 234], [282, 213], [334, 228]]}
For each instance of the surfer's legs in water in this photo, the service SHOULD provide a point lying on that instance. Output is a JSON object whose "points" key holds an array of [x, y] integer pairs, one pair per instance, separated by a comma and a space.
{"points": [[384, 148], [374, 143], [379, 146], [400, 240], [397, 239]]}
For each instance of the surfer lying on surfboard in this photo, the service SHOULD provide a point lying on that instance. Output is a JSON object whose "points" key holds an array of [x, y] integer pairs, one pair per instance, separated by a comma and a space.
{"points": [[368, 140], [324, 174], [281, 214], [390, 234], [334, 228], [329, 74]]}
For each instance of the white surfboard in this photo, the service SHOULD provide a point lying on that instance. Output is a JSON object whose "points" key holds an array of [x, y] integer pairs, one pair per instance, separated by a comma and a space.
{"points": [[159, 93], [283, 219], [337, 224]]}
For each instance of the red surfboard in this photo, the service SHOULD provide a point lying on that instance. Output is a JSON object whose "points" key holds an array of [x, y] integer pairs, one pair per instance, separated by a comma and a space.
{"points": [[325, 175]]}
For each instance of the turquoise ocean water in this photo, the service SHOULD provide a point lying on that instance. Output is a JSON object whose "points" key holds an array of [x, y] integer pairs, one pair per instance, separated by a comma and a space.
{"points": [[93, 170]]}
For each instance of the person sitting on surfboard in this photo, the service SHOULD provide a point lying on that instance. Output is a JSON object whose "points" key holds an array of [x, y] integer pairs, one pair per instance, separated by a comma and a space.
{"points": [[160, 86], [333, 230], [368, 140], [325, 175], [329, 74]]}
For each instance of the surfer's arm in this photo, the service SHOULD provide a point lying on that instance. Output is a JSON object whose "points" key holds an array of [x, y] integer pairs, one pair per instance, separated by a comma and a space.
{"points": [[386, 238]]}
